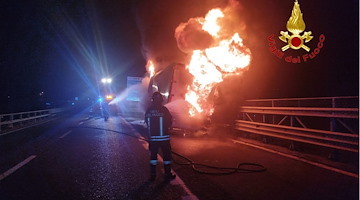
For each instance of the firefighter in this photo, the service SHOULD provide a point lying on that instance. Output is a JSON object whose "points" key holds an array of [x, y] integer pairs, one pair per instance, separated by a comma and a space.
{"points": [[159, 120], [105, 110]]}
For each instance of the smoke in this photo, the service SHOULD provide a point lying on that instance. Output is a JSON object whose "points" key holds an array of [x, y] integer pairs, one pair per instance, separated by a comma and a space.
{"points": [[181, 119], [157, 21], [228, 98], [129, 107], [190, 36]]}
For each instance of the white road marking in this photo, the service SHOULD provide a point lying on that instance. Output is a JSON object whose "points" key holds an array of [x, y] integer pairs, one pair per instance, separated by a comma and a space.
{"points": [[177, 180], [81, 123], [190, 195], [16, 167], [67, 133], [299, 159]]}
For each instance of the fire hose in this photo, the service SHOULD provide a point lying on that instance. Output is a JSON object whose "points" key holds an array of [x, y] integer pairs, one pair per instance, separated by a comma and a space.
{"points": [[206, 169]]}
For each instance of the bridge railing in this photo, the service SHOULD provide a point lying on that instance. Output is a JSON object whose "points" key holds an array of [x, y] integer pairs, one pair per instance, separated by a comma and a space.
{"points": [[18, 120], [330, 122]]}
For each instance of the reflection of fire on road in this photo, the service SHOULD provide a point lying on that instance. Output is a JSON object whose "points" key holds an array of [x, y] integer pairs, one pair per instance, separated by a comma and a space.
{"points": [[219, 53]]}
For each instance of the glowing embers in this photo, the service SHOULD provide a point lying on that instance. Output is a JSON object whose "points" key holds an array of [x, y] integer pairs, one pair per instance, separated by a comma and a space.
{"points": [[209, 66]]}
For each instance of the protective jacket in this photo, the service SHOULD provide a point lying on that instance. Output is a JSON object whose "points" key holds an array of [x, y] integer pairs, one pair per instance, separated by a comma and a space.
{"points": [[158, 120]]}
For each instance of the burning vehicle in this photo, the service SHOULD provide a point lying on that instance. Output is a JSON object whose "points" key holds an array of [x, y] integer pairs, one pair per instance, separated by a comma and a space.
{"points": [[172, 83], [214, 53]]}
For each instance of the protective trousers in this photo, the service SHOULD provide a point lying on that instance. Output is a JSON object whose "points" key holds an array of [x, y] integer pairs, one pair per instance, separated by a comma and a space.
{"points": [[165, 147]]}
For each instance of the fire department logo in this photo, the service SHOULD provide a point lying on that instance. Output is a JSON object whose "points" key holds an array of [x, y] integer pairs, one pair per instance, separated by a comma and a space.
{"points": [[295, 38], [296, 26]]}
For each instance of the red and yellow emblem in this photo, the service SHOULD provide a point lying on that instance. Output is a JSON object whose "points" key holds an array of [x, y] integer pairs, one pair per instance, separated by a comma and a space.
{"points": [[296, 26]]}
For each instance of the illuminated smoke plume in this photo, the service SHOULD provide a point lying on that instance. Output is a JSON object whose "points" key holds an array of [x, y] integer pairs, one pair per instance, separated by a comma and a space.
{"points": [[190, 36], [157, 20]]}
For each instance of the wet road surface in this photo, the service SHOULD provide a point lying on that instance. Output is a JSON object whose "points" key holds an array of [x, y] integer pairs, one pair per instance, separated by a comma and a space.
{"points": [[81, 158]]}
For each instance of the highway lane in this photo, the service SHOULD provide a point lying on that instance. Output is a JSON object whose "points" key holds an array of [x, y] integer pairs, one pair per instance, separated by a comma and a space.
{"points": [[20, 144], [81, 163], [80, 158]]}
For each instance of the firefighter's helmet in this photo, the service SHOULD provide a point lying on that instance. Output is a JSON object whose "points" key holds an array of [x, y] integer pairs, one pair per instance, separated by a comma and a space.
{"points": [[157, 98]]}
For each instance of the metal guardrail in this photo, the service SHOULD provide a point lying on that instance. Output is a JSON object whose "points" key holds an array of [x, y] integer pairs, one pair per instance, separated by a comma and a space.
{"points": [[273, 118], [12, 121], [307, 102], [304, 111]]}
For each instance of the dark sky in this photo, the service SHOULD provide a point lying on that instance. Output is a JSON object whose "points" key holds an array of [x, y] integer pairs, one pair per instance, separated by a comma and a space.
{"points": [[62, 47]]}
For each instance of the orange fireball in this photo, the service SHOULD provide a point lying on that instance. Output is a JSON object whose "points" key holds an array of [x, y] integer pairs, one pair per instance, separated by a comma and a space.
{"points": [[209, 66]]}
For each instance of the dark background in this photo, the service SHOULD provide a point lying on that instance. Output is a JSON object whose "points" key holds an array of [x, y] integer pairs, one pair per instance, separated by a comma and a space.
{"points": [[62, 48]]}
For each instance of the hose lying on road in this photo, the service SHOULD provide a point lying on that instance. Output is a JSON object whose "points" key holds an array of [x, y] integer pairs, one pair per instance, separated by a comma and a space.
{"points": [[205, 169], [212, 170]]}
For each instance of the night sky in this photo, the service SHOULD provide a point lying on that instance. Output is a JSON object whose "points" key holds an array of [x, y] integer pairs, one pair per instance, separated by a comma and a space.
{"points": [[63, 47]]}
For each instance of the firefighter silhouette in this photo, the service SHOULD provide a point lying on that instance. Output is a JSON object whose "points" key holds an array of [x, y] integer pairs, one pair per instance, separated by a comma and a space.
{"points": [[159, 121]]}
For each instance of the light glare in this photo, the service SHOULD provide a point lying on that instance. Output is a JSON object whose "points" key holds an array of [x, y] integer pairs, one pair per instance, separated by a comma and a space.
{"points": [[106, 80]]}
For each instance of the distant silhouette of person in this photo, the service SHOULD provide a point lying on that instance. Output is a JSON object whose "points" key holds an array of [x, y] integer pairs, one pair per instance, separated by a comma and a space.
{"points": [[105, 110], [159, 121]]}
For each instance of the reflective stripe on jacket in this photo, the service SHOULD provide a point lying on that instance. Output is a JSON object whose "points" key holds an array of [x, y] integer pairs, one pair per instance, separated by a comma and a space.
{"points": [[158, 120]]}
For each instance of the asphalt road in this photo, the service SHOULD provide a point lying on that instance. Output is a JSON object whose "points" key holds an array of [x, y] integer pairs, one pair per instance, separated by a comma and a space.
{"points": [[88, 158]]}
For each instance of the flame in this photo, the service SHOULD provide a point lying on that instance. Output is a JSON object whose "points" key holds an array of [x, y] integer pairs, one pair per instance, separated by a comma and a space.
{"points": [[211, 65], [210, 24], [296, 24], [150, 68]]}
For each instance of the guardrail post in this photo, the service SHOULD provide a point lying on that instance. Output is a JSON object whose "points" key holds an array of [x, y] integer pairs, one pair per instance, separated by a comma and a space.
{"points": [[332, 124], [20, 118], [273, 116], [292, 146], [0, 121], [264, 118], [334, 155], [332, 120], [291, 121], [11, 119], [267, 140]]}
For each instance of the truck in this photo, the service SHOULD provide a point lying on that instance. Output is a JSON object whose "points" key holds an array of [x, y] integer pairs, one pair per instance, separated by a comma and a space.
{"points": [[172, 83]]}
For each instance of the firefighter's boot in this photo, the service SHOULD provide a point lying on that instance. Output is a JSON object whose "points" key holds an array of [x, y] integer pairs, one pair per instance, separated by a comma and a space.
{"points": [[168, 175], [152, 172]]}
